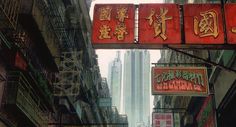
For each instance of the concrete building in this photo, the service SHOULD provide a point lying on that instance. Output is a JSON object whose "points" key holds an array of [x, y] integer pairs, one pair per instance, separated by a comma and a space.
{"points": [[219, 108], [137, 86], [221, 81], [50, 75], [110, 113], [114, 80]]}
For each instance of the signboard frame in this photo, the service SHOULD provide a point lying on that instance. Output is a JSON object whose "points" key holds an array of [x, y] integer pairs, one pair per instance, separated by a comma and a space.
{"points": [[181, 93], [196, 24], [138, 45], [165, 15], [107, 28], [230, 22]]}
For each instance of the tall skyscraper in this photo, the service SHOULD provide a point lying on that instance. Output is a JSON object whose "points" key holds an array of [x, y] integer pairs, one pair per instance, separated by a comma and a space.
{"points": [[114, 80], [137, 87]]}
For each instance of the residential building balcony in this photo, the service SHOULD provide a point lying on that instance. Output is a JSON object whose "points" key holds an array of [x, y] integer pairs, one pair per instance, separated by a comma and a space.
{"points": [[22, 97], [9, 13]]}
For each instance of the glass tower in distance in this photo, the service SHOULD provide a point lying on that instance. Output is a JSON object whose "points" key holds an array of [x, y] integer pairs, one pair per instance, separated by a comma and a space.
{"points": [[136, 82], [115, 80]]}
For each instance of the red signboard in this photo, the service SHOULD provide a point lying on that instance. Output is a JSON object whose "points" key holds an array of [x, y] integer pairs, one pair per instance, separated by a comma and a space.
{"points": [[180, 81], [162, 119], [203, 24], [230, 19], [113, 24], [206, 116], [159, 24]]}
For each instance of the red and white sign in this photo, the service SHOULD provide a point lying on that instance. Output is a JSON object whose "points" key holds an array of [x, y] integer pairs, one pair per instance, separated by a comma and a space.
{"points": [[230, 19], [162, 119], [203, 24], [180, 81], [113, 24], [159, 24]]}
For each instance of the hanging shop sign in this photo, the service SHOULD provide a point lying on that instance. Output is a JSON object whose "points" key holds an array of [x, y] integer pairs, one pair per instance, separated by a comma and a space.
{"points": [[204, 24], [180, 81], [159, 24], [113, 24], [230, 19], [162, 119], [206, 116], [152, 26]]}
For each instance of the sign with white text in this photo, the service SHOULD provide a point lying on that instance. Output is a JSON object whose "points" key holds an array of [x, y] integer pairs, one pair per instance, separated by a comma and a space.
{"points": [[180, 81]]}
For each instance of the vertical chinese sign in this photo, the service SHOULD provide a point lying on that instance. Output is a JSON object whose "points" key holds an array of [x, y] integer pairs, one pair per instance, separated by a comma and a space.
{"points": [[159, 24], [113, 24], [203, 24], [162, 119], [230, 18], [191, 81]]}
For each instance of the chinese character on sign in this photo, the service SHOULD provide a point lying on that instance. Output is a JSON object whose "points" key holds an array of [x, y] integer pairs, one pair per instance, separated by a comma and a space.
{"points": [[105, 13], [207, 25], [122, 14], [233, 30], [113, 24], [104, 32], [203, 24], [152, 13], [120, 31], [159, 23]]}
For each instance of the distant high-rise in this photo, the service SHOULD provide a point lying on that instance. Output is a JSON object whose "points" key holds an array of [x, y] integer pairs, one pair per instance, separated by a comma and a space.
{"points": [[114, 80], [137, 87]]}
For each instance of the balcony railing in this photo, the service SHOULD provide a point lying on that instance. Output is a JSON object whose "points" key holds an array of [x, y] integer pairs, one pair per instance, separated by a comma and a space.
{"points": [[5, 41], [22, 95], [9, 13], [50, 20]]}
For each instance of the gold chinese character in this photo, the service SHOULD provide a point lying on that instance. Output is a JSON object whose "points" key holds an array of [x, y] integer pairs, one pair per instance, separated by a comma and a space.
{"points": [[159, 24], [150, 17], [122, 14], [207, 25], [233, 30], [105, 13], [104, 32], [120, 31]]}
